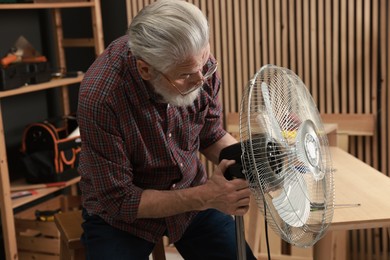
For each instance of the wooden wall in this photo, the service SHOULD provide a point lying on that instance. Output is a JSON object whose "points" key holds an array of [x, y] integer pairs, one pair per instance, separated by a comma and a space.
{"points": [[339, 48]]}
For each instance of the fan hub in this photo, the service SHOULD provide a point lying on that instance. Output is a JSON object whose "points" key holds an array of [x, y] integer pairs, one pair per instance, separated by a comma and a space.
{"points": [[311, 149]]}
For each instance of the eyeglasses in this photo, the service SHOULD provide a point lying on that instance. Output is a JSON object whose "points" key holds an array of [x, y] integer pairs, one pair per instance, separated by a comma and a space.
{"points": [[212, 69]]}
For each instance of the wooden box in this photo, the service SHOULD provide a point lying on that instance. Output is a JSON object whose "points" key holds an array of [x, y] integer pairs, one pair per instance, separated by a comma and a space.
{"points": [[39, 239]]}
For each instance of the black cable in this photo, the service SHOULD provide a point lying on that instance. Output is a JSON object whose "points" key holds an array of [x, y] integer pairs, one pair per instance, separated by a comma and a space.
{"points": [[266, 230]]}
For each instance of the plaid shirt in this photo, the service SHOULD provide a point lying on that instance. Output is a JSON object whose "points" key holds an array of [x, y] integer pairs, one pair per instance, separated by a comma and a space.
{"points": [[132, 142]]}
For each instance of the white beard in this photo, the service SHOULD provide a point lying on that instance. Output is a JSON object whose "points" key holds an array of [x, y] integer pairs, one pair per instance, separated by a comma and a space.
{"points": [[171, 96]]}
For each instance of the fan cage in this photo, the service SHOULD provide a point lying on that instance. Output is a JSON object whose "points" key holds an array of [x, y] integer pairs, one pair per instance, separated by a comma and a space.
{"points": [[289, 170]]}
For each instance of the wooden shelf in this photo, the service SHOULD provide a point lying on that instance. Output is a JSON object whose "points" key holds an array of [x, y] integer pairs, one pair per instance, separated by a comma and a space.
{"points": [[46, 5], [7, 204], [37, 87], [40, 192]]}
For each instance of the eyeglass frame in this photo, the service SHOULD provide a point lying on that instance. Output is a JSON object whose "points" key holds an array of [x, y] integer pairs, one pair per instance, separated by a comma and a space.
{"points": [[212, 69]]}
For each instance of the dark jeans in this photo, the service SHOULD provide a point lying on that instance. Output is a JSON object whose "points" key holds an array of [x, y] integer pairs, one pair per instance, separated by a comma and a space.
{"points": [[211, 235]]}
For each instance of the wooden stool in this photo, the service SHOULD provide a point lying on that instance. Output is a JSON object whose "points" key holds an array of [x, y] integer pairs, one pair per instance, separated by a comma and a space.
{"points": [[69, 226]]}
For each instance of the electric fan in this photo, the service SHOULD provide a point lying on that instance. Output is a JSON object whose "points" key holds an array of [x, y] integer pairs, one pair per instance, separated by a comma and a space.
{"points": [[283, 153]]}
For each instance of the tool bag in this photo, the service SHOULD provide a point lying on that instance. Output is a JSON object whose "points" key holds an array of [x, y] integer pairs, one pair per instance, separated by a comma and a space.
{"points": [[49, 153]]}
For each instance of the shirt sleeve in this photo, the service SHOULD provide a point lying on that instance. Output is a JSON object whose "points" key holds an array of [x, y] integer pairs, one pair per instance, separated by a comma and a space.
{"points": [[104, 162]]}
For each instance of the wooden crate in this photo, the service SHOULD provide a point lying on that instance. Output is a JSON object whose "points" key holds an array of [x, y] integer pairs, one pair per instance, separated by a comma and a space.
{"points": [[39, 239]]}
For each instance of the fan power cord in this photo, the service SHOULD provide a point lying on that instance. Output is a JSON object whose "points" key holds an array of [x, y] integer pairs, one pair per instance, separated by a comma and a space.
{"points": [[266, 230]]}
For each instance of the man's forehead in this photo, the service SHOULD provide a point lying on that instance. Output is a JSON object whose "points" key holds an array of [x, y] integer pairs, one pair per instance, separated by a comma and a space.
{"points": [[195, 60]]}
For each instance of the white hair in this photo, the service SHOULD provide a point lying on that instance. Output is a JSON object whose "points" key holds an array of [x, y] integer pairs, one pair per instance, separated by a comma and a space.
{"points": [[167, 32]]}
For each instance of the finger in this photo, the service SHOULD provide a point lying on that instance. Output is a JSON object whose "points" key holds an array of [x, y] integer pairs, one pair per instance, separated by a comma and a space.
{"points": [[223, 165], [244, 202], [241, 211], [240, 184]]}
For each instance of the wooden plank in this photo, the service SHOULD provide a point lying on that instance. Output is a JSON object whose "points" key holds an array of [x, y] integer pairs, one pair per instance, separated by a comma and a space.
{"points": [[322, 59], [385, 84], [336, 59], [253, 233], [225, 55], [284, 28], [210, 17], [278, 32], [351, 57], [128, 11], [359, 90], [39, 244], [362, 248], [306, 44], [300, 45], [385, 246], [61, 60], [271, 32], [377, 243], [292, 35], [343, 72], [70, 233], [257, 36], [359, 60], [337, 240], [56, 13], [387, 96], [264, 31], [233, 82], [7, 218], [46, 5], [313, 50], [369, 245], [352, 124], [97, 28], [371, 101], [251, 44], [47, 228], [79, 42], [244, 47], [215, 18], [238, 57], [33, 255], [327, 73]]}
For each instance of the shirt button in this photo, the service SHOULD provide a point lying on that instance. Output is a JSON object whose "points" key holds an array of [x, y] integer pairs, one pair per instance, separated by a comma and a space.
{"points": [[173, 185], [181, 165], [170, 135]]}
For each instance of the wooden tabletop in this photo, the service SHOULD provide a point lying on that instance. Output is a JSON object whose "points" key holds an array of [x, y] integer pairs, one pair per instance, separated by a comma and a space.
{"points": [[358, 183]]}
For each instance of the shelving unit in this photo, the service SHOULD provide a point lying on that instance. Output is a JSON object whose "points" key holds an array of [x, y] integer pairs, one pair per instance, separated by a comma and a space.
{"points": [[6, 203]]}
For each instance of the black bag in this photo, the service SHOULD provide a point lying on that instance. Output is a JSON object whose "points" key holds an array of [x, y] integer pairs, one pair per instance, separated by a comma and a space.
{"points": [[49, 155]]}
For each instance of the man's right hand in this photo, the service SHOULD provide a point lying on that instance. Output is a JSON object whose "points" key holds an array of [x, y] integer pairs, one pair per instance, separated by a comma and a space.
{"points": [[231, 197]]}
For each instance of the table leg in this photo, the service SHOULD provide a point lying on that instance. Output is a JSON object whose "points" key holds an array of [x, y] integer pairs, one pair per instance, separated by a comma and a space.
{"points": [[333, 246]]}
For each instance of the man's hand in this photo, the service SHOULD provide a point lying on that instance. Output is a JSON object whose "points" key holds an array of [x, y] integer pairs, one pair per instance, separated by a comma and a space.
{"points": [[231, 197]]}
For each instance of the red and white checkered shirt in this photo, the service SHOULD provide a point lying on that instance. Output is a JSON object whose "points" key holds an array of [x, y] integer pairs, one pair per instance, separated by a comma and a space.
{"points": [[132, 142]]}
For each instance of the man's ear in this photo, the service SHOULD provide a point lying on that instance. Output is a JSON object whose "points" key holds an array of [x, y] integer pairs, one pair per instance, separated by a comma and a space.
{"points": [[144, 69]]}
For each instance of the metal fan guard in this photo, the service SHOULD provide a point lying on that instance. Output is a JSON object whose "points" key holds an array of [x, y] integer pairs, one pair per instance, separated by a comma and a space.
{"points": [[300, 147]]}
